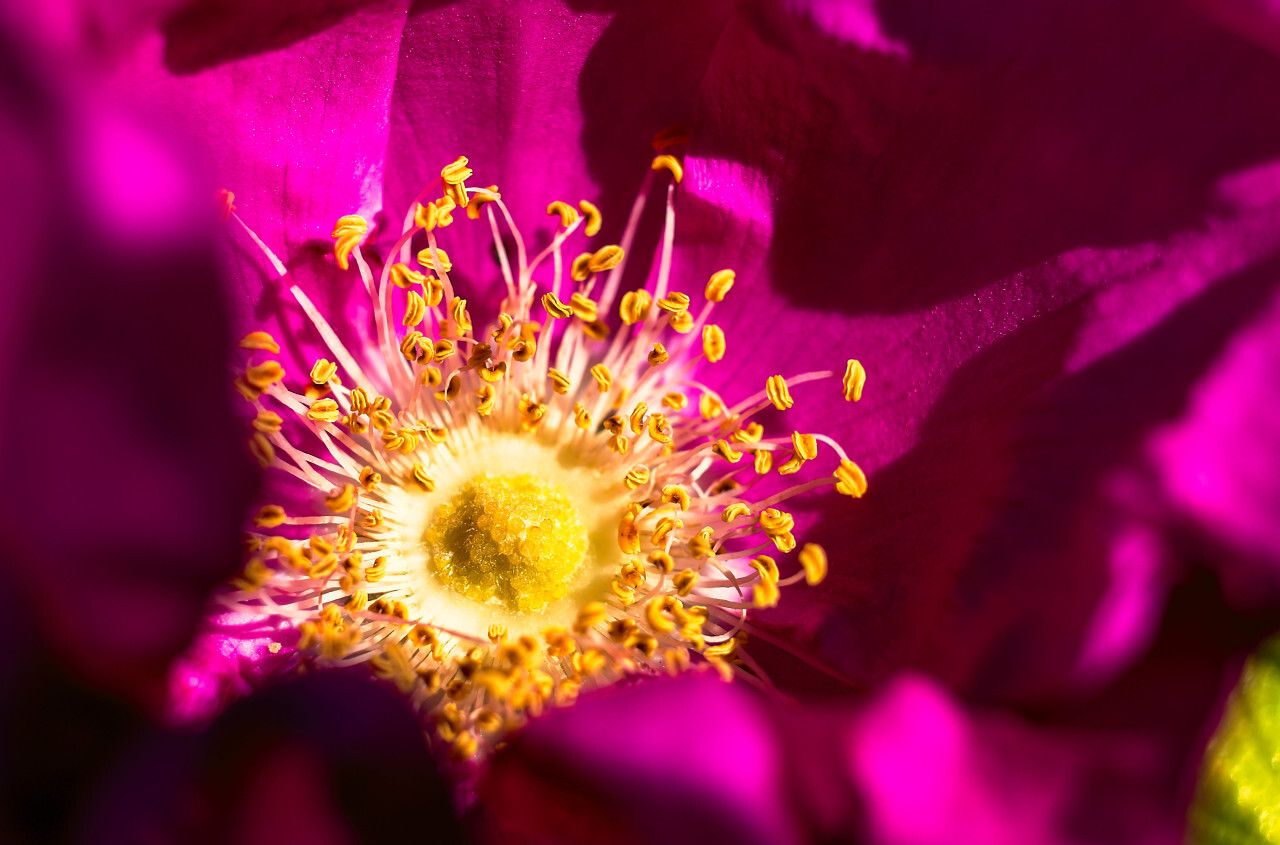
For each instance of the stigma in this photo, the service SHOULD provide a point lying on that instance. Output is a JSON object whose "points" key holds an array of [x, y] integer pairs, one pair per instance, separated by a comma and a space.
{"points": [[506, 513]]}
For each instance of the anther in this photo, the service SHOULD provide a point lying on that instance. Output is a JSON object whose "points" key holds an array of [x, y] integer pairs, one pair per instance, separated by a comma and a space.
{"points": [[260, 340], [713, 344], [670, 163], [779, 395], [719, 285], [567, 213], [348, 232], [854, 378], [594, 220]]}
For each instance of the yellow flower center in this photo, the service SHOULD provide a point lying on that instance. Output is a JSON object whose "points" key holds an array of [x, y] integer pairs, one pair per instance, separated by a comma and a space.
{"points": [[516, 540]]}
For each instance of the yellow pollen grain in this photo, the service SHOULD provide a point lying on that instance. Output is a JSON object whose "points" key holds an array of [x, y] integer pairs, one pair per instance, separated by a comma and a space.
{"points": [[568, 214], [854, 379], [713, 344], [850, 479], [348, 232], [580, 269], [779, 395], [269, 516], [555, 308], [635, 306], [669, 163], [260, 340], [814, 560], [594, 220], [322, 371], [605, 258], [604, 379], [718, 285]]}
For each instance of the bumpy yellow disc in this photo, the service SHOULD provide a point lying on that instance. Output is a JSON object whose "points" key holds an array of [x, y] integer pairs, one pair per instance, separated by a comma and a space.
{"points": [[514, 539]]}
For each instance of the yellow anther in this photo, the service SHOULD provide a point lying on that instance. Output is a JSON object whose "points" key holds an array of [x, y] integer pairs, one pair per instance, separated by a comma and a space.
{"points": [[261, 449], [494, 373], [269, 516], [559, 381], [767, 567], [427, 215], [568, 214], [675, 401], [322, 370], [666, 526], [784, 542], [415, 309], [348, 232], [589, 662], [436, 434], [724, 450], [458, 311], [522, 350], [774, 521], [635, 306], [433, 290], [671, 163], [655, 614], [584, 307], [589, 616], [359, 601], [763, 461], [674, 302], [497, 632], [619, 444], [776, 389], [676, 494], [370, 478], [659, 428], [324, 410], [418, 475], [436, 259], [268, 422], [359, 401], [451, 389], [479, 199], [480, 355], [806, 445], [596, 329], [632, 574], [661, 561], [750, 433], [638, 417], [580, 269], [382, 419], [605, 258], [765, 594], [713, 342], [854, 378], [718, 285], [454, 176], [485, 397], [442, 350], [463, 747], [560, 643], [814, 560], [681, 322], [700, 545], [402, 276], [581, 417], [710, 406], [260, 340], [638, 476], [555, 308], [792, 466], [850, 478], [684, 581], [615, 423], [604, 378], [412, 346], [629, 534], [531, 411], [735, 511], [594, 220], [341, 500], [262, 376], [254, 575]]}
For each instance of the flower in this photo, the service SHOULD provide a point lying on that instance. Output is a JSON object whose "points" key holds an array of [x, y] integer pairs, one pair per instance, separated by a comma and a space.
{"points": [[1052, 224], [501, 517]]}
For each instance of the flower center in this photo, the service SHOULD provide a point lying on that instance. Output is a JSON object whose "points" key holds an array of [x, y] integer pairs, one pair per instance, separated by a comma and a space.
{"points": [[516, 540]]}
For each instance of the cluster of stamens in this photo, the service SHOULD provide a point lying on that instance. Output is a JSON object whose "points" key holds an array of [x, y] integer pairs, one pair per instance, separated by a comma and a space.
{"points": [[506, 517]]}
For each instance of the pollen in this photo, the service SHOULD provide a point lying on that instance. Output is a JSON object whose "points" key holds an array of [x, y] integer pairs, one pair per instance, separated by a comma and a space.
{"points": [[515, 540]]}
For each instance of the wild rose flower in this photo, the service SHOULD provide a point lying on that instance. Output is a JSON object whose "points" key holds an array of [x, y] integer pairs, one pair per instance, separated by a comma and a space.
{"points": [[1095, 215]]}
